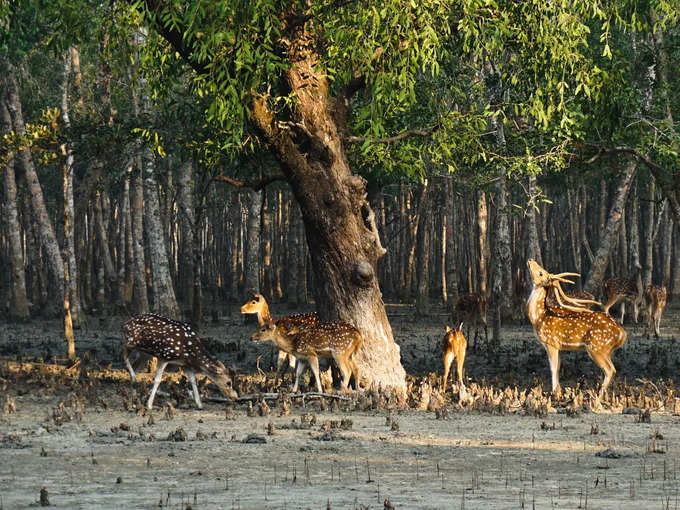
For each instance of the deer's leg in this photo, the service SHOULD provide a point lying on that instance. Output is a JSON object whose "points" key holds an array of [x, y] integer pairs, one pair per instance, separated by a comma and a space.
{"points": [[460, 360], [281, 367], [194, 387], [126, 358], [609, 304], [448, 359], [156, 383], [355, 372], [636, 311], [298, 372], [314, 365], [343, 365], [623, 311], [657, 322], [603, 360], [554, 361]]}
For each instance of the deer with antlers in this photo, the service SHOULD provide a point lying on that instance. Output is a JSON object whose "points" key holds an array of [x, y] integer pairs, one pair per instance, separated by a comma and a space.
{"points": [[258, 305], [655, 302], [571, 326]]}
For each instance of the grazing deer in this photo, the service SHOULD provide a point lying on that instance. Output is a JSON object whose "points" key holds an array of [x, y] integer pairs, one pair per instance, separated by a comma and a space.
{"points": [[453, 347], [573, 327], [616, 289], [175, 343], [471, 309], [335, 340], [258, 305], [655, 302]]}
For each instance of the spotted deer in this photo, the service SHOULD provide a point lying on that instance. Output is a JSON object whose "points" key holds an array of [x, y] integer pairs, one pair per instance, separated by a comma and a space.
{"points": [[616, 289], [335, 340], [258, 305], [471, 309], [453, 347], [173, 343], [654, 304], [572, 327]]}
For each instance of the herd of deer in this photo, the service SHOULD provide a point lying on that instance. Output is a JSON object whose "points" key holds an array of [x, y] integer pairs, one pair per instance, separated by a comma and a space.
{"points": [[562, 322]]}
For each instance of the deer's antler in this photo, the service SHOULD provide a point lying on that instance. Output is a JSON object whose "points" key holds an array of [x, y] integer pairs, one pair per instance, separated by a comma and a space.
{"points": [[573, 304]]}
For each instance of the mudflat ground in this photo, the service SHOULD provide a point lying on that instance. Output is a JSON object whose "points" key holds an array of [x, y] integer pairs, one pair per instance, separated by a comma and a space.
{"points": [[84, 436]]}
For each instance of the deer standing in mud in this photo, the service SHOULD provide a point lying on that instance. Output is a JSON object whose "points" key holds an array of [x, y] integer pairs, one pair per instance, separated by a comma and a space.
{"points": [[335, 340], [571, 326], [453, 347], [258, 305], [654, 304]]}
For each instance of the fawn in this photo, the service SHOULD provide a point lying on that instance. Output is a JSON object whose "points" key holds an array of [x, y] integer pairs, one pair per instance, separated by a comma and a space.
{"points": [[571, 328], [453, 347], [175, 343], [471, 309], [655, 302], [335, 340], [258, 305], [616, 289]]}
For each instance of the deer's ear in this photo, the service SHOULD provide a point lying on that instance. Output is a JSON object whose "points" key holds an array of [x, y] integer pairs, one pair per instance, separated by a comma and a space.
{"points": [[448, 328]]}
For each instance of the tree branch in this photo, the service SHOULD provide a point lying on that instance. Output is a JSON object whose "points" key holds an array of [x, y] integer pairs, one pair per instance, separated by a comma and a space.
{"points": [[173, 36], [395, 138], [256, 185]]}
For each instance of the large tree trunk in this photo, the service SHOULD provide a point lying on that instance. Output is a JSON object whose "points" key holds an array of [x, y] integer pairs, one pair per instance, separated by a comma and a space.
{"points": [[46, 233], [344, 248], [18, 302]]}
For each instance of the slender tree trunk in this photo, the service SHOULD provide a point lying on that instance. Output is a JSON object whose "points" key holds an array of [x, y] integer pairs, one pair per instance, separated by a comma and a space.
{"points": [[48, 238], [675, 285], [451, 240], [18, 302], [293, 241], [252, 256], [423, 244], [534, 246], [502, 281], [141, 300], [106, 260], [187, 225], [482, 222], [667, 249], [649, 237], [267, 277]]}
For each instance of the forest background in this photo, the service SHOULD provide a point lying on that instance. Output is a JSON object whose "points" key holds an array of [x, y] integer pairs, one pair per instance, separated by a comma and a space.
{"points": [[177, 156]]}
